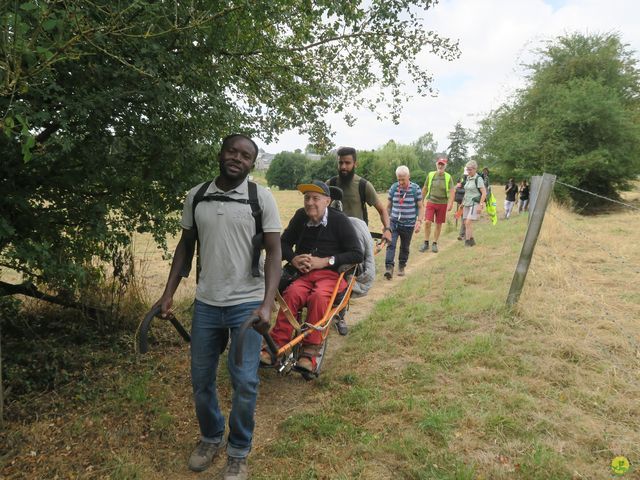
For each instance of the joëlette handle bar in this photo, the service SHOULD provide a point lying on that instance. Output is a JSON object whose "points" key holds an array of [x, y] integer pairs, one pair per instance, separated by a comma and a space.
{"points": [[250, 323], [378, 245], [143, 343]]}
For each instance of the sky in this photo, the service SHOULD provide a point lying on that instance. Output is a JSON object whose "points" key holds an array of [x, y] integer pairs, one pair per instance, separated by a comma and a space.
{"points": [[496, 37]]}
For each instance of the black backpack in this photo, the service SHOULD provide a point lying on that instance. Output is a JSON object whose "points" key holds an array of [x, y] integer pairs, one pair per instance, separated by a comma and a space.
{"points": [[362, 190], [257, 241], [459, 195]]}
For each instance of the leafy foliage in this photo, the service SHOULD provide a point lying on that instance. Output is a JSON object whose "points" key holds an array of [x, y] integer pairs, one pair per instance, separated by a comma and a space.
{"points": [[427, 151], [578, 118], [378, 166], [110, 109], [392, 155], [287, 169], [323, 169]]}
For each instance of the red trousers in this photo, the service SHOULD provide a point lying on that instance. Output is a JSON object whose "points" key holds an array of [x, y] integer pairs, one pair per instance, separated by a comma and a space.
{"points": [[314, 290]]}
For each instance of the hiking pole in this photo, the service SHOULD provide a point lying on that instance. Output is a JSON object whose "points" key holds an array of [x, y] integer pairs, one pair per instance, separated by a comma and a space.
{"points": [[251, 322], [143, 330]]}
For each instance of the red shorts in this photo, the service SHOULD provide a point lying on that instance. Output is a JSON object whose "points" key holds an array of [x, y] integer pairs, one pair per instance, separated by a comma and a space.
{"points": [[437, 211]]}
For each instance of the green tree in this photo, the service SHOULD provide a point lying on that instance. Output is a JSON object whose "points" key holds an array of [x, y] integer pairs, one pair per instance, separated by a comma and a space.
{"points": [[458, 151], [287, 169], [578, 118], [323, 169], [426, 150], [381, 169], [365, 163], [109, 110]]}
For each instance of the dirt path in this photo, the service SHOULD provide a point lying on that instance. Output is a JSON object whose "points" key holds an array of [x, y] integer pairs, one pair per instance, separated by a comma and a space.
{"points": [[281, 396]]}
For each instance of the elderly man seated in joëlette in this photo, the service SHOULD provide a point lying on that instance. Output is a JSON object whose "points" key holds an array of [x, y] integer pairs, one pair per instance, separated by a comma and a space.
{"points": [[317, 241]]}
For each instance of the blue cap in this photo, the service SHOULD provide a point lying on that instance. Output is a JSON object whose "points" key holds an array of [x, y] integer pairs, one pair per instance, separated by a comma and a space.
{"points": [[315, 186]]}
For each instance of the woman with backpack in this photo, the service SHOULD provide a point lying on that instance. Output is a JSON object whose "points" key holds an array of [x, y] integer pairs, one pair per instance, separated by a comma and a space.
{"points": [[459, 197], [475, 195]]}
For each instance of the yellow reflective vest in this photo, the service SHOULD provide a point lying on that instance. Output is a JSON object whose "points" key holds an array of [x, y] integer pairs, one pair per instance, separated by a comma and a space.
{"points": [[447, 184]]}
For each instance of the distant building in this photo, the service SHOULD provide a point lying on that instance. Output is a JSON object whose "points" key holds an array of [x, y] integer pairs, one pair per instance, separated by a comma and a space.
{"points": [[264, 160], [314, 157]]}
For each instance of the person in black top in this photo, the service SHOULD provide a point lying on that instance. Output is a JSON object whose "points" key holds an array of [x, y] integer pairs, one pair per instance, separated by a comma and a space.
{"points": [[324, 239], [485, 178], [523, 192], [510, 190]]}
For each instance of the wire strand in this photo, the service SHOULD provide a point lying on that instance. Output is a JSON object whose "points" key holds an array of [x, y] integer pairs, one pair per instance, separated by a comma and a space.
{"points": [[597, 195]]}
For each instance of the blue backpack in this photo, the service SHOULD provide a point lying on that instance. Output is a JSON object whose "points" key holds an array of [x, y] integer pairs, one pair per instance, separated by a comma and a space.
{"points": [[414, 192]]}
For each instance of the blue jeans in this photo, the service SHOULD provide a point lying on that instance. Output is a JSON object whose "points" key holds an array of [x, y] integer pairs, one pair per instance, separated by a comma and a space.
{"points": [[207, 337], [405, 233]]}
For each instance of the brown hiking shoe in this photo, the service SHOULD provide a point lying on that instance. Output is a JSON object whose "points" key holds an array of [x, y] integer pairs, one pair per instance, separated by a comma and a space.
{"points": [[203, 455], [341, 324], [401, 271], [236, 469], [389, 273]]}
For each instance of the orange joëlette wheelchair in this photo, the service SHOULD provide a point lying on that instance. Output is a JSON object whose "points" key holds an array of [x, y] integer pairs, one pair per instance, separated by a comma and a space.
{"points": [[283, 358]]}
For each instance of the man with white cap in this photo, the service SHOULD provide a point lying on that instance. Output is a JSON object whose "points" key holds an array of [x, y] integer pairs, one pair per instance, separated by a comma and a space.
{"points": [[324, 239], [439, 193]]}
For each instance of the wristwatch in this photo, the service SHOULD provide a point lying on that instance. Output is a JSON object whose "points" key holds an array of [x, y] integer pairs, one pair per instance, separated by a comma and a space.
{"points": [[332, 261], [386, 229]]}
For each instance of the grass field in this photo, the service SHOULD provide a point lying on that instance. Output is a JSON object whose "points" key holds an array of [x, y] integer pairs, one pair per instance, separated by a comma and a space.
{"points": [[438, 380]]}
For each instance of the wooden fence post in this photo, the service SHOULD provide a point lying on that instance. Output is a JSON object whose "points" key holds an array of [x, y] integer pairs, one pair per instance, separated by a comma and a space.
{"points": [[534, 188], [536, 215]]}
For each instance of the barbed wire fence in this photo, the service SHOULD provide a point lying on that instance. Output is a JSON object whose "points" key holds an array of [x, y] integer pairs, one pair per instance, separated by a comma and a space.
{"points": [[597, 195], [622, 261]]}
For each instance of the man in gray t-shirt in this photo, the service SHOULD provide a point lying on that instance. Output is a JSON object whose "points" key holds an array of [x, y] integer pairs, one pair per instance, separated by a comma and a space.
{"points": [[228, 292]]}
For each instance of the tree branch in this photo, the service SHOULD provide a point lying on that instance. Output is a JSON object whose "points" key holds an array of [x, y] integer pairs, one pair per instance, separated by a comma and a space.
{"points": [[47, 132], [30, 290], [305, 47]]}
